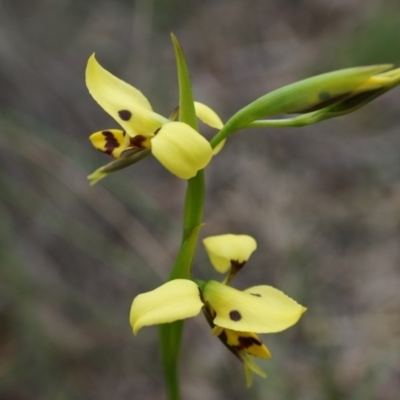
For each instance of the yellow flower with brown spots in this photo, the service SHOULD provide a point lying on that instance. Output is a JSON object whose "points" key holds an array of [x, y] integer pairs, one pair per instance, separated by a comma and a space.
{"points": [[176, 145], [235, 316]]}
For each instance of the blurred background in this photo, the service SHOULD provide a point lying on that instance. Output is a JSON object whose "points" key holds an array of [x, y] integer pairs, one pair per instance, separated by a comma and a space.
{"points": [[322, 201]]}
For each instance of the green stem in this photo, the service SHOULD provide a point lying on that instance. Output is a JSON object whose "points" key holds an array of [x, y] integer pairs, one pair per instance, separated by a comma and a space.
{"points": [[170, 338], [170, 334], [226, 130], [194, 204]]}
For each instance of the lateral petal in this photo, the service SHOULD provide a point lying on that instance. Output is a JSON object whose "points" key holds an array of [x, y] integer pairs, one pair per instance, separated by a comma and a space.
{"points": [[206, 115], [126, 104], [175, 300], [260, 309], [110, 141], [181, 149], [223, 250]]}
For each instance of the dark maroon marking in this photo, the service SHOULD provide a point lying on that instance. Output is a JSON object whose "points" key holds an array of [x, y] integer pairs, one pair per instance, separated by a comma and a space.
{"points": [[125, 115], [201, 296], [223, 337], [111, 142], [137, 141], [235, 315], [256, 294], [245, 342], [237, 265]]}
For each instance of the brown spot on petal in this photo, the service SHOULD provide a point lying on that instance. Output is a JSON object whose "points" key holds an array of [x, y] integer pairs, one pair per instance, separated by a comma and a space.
{"points": [[111, 142], [125, 115], [256, 294], [137, 141], [235, 315]]}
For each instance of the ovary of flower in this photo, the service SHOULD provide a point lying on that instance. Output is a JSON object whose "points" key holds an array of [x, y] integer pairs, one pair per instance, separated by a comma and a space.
{"points": [[177, 146]]}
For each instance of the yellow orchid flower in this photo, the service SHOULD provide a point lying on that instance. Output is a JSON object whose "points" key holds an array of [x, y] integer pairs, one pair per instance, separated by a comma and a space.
{"points": [[235, 316], [177, 146]]}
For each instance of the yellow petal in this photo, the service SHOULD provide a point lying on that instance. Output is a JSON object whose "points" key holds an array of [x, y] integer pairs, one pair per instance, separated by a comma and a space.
{"points": [[225, 249], [394, 74], [175, 300], [246, 342], [385, 80], [373, 83], [260, 309], [181, 149], [127, 105], [206, 115], [110, 141]]}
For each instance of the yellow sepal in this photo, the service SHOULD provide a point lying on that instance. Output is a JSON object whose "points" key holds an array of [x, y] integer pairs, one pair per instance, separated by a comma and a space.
{"points": [[175, 300], [181, 149], [260, 309], [126, 104], [225, 249]]}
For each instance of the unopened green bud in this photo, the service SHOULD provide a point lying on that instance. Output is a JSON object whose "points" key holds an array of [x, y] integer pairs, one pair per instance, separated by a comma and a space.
{"points": [[359, 97], [318, 98], [316, 93]]}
